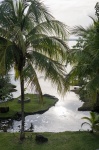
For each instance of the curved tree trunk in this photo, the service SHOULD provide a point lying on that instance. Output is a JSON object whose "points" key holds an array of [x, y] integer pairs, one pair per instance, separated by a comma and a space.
{"points": [[22, 133]]}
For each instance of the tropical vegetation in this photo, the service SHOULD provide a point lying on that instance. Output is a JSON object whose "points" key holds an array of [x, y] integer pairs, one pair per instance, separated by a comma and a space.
{"points": [[84, 58], [32, 41], [93, 121], [6, 88]]}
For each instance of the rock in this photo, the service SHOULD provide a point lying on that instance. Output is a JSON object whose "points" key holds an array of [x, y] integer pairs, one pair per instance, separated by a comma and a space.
{"points": [[87, 106], [4, 127], [96, 108], [41, 139], [4, 109], [27, 100]]}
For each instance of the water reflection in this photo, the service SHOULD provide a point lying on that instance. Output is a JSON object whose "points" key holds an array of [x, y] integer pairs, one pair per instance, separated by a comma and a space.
{"points": [[61, 117]]}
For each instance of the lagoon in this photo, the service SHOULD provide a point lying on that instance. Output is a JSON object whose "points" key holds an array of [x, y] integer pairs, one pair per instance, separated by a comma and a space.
{"points": [[64, 116]]}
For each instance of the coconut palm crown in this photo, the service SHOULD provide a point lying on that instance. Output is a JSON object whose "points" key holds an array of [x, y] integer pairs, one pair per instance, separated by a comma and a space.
{"points": [[31, 40]]}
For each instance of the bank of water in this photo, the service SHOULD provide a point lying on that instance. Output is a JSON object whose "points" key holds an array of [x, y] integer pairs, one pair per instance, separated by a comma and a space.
{"points": [[64, 116]]}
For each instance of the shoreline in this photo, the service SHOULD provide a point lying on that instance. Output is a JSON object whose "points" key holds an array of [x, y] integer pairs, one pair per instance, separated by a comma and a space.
{"points": [[17, 116]]}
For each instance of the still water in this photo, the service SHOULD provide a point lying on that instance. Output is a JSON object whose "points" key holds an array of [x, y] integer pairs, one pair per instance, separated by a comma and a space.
{"points": [[61, 117]]}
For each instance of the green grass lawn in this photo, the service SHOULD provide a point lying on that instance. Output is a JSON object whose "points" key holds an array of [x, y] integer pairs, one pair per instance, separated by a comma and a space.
{"points": [[33, 106], [56, 141]]}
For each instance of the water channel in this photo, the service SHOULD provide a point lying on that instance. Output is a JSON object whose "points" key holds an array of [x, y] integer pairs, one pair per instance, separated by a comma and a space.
{"points": [[64, 116]]}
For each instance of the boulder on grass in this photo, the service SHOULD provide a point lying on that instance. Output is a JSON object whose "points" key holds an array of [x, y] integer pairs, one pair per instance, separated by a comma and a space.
{"points": [[4, 109], [41, 139], [27, 100]]}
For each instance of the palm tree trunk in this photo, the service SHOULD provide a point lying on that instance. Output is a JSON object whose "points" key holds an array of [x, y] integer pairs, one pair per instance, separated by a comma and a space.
{"points": [[22, 133]]}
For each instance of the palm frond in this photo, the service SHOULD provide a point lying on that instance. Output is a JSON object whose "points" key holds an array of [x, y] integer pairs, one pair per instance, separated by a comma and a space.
{"points": [[85, 123], [38, 12], [53, 70], [3, 50], [87, 118], [52, 47], [53, 27], [31, 79]]}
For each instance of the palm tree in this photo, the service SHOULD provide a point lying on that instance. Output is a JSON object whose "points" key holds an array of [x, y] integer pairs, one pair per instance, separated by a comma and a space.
{"points": [[84, 58], [93, 121], [31, 40]]}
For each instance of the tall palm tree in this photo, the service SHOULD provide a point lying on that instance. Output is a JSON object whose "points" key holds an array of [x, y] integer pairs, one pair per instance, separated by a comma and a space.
{"points": [[32, 40]]}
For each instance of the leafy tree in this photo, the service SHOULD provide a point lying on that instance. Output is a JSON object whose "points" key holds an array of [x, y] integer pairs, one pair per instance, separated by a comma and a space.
{"points": [[31, 40]]}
